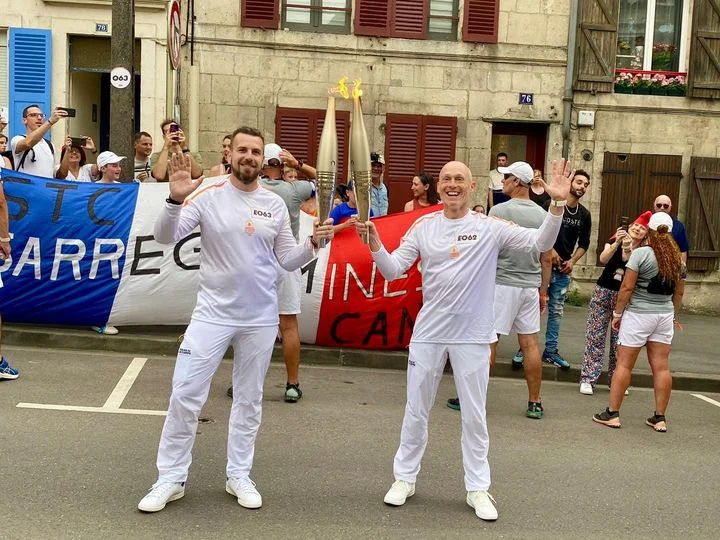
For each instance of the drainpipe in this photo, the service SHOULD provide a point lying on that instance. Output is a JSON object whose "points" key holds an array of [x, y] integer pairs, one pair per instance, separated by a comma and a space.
{"points": [[569, 75]]}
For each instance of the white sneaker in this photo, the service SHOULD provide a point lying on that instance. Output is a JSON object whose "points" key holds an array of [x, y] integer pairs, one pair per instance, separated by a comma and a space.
{"points": [[627, 392], [244, 489], [586, 388], [399, 492], [484, 505], [161, 494], [107, 330]]}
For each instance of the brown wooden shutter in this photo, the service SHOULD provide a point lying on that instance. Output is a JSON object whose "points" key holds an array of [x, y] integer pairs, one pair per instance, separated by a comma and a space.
{"points": [[293, 129], [403, 139], [260, 14], [438, 143], [372, 18], [342, 125], [703, 214], [415, 143], [630, 184], [410, 18], [596, 45], [481, 21], [704, 74]]}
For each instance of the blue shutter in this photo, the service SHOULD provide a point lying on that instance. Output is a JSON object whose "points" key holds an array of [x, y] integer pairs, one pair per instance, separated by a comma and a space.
{"points": [[30, 70]]}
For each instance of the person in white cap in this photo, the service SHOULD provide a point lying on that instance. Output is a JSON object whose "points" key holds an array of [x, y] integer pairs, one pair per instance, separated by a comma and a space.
{"points": [[246, 237], [379, 201], [458, 250], [521, 282], [648, 303], [108, 163]]}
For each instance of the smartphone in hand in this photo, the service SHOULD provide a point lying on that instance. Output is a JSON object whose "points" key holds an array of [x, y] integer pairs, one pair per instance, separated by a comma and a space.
{"points": [[624, 223], [70, 112], [80, 142]]}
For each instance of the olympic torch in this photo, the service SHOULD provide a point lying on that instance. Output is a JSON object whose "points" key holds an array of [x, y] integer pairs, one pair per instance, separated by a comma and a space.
{"points": [[327, 165], [360, 158]]}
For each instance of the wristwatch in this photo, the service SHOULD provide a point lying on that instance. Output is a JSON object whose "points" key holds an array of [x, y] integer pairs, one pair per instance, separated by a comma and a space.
{"points": [[558, 204]]}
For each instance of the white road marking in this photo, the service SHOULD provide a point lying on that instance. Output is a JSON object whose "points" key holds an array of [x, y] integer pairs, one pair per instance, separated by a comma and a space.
{"points": [[78, 408], [117, 396], [113, 402], [704, 398]]}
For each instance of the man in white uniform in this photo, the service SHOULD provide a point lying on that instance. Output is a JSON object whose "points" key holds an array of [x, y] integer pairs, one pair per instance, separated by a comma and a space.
{"points": [[245, 235], [458, 251]]}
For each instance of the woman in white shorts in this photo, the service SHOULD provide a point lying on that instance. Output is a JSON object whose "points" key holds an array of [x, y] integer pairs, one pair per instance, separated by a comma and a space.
{"points": [[652, 291]]}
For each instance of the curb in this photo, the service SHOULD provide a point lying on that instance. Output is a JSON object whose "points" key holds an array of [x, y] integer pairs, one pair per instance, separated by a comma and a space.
{"points": [[164, 341]]}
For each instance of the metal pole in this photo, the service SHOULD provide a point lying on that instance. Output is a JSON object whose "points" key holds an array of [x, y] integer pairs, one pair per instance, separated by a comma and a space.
{"points": [[122, 100]]}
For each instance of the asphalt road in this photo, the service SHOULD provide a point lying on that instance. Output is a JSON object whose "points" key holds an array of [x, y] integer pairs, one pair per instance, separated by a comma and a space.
{"points": [[324, 464]]}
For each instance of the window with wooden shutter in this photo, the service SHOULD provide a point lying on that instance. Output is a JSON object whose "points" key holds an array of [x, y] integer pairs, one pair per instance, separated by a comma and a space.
{"points": [[596, 45], [481, 21], [703, 214], [412, 19], [704, 72], [260, 14], [298, 130], [331, 16], [415, 143]]}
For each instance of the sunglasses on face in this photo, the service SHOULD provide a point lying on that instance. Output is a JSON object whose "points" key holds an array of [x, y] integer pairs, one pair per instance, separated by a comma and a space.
{"points": [[662, 206]]}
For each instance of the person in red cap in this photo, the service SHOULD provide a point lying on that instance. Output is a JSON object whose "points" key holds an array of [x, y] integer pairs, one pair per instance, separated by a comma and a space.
{"points": [[602, 303]]}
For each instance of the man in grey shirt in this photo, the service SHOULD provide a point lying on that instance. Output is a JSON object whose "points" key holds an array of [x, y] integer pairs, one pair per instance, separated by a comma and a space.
{"points": [[521, 282], [289, 283]]}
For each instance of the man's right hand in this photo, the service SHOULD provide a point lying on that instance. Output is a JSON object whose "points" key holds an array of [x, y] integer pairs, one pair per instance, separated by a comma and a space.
{"points": [[57, 115], [5, 250], [181, 181]]}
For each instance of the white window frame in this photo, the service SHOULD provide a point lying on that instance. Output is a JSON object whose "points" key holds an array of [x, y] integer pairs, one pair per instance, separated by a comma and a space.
{"points": [[684, 54]]}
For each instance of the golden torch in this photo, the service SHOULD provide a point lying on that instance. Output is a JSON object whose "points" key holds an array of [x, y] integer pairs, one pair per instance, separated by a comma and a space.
{"points": [[327, 164], [360, 158]]}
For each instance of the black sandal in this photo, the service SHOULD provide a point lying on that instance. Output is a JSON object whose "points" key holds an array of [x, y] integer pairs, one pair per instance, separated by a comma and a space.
{"points": [[657, 422]]}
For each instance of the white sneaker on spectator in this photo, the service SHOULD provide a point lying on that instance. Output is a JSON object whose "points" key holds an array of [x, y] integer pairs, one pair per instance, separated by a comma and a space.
{"points": [[161, 494], [586, 388], [399, 492], [244, 489], [107, 330], [483, 503]]}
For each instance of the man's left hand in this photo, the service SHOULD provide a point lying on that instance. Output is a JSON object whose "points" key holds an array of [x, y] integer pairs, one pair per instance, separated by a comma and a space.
{"points": [[5, 249], [567, 267]]}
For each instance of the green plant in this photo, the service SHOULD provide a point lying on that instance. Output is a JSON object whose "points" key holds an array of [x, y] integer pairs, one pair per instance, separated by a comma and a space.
{"points": [[574, 298]]}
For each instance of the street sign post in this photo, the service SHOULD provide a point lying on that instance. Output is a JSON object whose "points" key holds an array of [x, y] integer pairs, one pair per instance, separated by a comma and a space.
{"points": [[173, 41]]}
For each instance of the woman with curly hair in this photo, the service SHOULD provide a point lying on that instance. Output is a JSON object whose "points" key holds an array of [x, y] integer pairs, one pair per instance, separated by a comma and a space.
{"points": [[424, 192], [652, 291], [602, 302]]}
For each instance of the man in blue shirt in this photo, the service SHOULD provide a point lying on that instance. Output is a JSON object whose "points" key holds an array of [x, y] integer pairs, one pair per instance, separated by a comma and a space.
{"points": [[378, 190], [679, 234]]}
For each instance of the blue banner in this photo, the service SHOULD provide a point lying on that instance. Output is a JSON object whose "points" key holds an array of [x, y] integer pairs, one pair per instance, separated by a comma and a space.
{"points": [[68, 250]]}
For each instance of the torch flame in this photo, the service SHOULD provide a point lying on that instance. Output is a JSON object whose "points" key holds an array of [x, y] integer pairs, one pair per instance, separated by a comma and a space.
{"points": [[356, 89], [341, 89]]}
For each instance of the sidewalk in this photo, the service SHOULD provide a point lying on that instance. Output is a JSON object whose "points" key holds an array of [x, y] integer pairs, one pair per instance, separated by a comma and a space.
{"points": [[694, 360]]}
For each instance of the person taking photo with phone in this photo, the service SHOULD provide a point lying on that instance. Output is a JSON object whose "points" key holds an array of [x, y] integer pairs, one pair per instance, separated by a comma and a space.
{"points": [[73, 158], [614, 256], [32, 153], [174, 143]]}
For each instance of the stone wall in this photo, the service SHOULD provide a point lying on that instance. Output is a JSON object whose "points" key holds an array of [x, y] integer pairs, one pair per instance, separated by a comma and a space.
{"points": [[247, 73]]}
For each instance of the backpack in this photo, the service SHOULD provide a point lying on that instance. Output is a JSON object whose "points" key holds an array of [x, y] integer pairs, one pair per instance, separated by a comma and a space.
{"points": [[26, 152], [658, 285]]}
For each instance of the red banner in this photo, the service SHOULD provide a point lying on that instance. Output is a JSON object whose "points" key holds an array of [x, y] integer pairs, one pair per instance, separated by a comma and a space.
{"points": [[359, 309]]}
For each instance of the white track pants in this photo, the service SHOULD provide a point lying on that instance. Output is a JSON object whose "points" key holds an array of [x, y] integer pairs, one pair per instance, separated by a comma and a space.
{"points": [[471, 368], [199, 356]]}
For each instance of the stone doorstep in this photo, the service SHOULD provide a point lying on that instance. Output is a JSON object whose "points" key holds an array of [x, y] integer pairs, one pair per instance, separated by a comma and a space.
{"points": [[166, 345]]}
